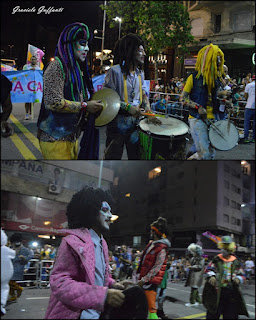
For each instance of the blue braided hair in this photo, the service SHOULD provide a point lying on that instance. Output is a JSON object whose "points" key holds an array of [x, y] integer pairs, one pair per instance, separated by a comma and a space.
{"points": [[65, 53]]}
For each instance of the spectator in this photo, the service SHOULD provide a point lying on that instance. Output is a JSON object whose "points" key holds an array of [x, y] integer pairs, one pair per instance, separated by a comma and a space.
{"points": [[249, 113], [249, 267], [23, 255], [30, 66], [126, 263], [6, 106], [7, 255]]}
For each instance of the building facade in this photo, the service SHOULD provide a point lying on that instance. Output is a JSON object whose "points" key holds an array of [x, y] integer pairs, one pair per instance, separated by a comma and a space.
{"points": [[228, 24], [194, 197], [35, 194]]}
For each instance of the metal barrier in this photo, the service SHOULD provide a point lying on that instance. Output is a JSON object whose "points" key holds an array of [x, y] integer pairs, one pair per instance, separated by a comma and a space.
{"points": [[45, 270], [174, 107], [31, 274]]}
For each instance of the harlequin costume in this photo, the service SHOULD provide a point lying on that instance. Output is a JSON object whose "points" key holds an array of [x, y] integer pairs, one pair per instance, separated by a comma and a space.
{"points": [[151, 270], [225, 297]]}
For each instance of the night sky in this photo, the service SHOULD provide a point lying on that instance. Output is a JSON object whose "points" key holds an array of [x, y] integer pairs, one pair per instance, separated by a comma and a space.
{"points": [[42, 30]]}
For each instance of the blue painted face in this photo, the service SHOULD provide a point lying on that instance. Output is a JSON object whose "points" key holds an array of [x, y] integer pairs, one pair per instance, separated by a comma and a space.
{"points": [[106, 210], [105, 216]]}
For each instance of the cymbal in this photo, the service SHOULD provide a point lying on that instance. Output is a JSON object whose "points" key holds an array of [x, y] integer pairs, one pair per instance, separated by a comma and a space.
{"points": [[111, 105]]}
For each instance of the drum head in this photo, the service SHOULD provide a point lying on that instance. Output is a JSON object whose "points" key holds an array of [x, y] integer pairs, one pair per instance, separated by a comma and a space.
{"points": [[229, 133], [169, 127]]}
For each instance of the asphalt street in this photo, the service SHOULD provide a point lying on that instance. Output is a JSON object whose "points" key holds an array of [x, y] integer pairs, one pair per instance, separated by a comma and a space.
{"points": [[23, 145], [33, 303]]}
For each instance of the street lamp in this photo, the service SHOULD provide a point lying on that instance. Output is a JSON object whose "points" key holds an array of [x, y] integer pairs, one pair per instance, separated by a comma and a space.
{"points": [[119, 20]]}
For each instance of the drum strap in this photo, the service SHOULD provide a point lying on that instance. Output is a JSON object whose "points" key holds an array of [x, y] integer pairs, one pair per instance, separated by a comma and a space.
{"points": [[125, 89]]}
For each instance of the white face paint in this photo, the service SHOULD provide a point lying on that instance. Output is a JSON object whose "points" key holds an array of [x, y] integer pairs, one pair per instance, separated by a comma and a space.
{"points": [[105, 216], [140, 55], [81, 50]]}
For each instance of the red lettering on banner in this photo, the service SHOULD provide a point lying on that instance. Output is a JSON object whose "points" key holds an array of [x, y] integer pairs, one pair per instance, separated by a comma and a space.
{"points": [[39, 87], [18, 86], [99, 86], [30, 84]]}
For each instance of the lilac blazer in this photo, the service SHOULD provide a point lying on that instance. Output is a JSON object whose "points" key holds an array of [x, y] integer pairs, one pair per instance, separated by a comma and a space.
{"points": [[73, 275]]}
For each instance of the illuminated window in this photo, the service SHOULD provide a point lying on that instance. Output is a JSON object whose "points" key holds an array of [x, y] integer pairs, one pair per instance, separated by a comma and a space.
{"points": [[127, 195], [115, 182], [154, 173]]}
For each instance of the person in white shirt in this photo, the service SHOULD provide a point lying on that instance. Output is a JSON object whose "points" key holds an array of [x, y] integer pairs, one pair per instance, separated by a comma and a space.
{"points": [[249, 266], [249, 113]]}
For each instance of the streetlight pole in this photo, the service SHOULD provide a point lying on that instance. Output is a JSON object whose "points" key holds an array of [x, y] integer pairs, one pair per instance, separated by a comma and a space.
{"points": [[120, 21], [103, 33]]}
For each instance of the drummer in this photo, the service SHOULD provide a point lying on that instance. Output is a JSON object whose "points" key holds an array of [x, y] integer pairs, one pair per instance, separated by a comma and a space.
{"points": [[127, 79], [65, 99], [200, 93]]}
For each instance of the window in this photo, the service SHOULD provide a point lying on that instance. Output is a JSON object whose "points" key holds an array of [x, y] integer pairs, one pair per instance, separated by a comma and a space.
{"points": [[242, 21], [197, 27], [238, 206], [233, 220], [226, 218], [235, 189], [233, 204], [226, 184], [235, 174], [136, 241], [217, 23], [226, 202], [238, 222]]}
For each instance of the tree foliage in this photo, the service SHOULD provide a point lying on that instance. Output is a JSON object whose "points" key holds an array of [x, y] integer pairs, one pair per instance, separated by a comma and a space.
{"points": [[161, 24]]}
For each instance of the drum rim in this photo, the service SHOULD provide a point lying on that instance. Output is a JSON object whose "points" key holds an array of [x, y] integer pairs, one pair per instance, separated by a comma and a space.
{"points": [[166, 137], [211, 129]]}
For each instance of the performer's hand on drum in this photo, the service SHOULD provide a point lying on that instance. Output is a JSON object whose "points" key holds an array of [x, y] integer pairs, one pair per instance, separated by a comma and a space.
{"points": [[115, 298], [134, 111], [94, 106], [153, 120]]}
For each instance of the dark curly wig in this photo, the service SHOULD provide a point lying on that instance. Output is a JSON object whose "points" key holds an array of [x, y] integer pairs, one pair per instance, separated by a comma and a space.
{"points": [[124, 52], [16, 237], [161, 225], [83, 209]]}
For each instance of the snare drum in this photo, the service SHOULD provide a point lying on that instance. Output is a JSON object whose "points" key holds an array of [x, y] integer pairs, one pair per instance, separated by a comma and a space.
{"points": [[165, 141], [226, 137]]}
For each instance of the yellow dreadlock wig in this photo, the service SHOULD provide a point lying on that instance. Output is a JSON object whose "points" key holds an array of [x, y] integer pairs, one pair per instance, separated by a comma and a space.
{"points": [[231, 247], [206, 65]]}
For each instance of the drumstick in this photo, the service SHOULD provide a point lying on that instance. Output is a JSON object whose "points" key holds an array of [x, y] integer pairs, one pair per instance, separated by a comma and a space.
{"points": [[217, 130], [152, 114], [228, 126]]}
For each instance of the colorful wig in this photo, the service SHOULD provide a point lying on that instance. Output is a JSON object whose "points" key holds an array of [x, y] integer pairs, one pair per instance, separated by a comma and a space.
{"points": [[231, 246], [206, 65], [195, 248], [65, 52]]}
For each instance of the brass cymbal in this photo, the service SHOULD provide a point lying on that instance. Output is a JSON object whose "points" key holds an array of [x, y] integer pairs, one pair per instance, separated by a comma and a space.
{"points": [[111, 105]]}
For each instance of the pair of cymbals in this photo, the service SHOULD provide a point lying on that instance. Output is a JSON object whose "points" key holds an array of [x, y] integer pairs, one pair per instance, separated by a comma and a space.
{"points": [[111, 105]]}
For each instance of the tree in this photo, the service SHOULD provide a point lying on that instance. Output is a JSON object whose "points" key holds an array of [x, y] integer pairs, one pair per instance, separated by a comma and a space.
{"points": [[161, 24]]}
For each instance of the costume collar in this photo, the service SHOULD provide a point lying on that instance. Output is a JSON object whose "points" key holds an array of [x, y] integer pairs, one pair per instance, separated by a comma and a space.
{"points": [[230, 259]]}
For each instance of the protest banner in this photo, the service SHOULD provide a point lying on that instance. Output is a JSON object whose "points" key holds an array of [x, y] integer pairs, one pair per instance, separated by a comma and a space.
{"points": [[27, 85]]}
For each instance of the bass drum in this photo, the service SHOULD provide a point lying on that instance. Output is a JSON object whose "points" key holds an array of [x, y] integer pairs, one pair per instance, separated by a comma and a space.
{"points": [[163, 142], [228, 138]]}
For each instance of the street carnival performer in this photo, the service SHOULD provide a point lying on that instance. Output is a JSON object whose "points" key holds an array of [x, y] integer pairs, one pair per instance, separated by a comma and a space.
{"points": [[221, 293], [153, 263], [201, 95], [127, 79], [65, 106], [195, 275]]}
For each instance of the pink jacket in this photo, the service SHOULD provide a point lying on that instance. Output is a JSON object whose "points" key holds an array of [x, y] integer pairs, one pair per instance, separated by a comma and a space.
{"points": [[73, 275]]}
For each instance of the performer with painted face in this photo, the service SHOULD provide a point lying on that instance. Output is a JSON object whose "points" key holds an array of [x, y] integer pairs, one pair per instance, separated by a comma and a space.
{"points": [[153, 263], [127, 79], [80, 283], [221, 293], [200, 94], [195, 275], [65, 104]]}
